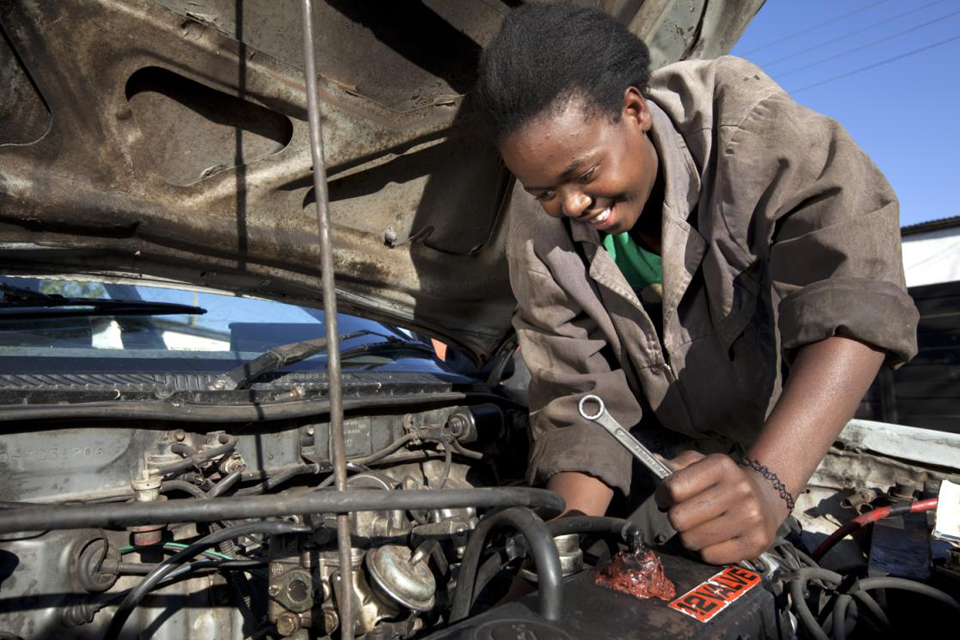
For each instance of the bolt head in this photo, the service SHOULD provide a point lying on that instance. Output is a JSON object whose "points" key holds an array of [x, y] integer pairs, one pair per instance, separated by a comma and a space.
{"points": [[274, 590], [330, 621], [288, 623], [311, 431]]}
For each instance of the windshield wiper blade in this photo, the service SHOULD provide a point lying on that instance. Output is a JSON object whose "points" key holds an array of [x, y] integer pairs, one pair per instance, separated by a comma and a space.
{"points": [[25, 304], [390, 344], [273, 359]]}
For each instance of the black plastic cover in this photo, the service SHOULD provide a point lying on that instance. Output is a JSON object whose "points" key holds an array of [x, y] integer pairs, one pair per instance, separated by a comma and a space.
{"points": [[591, 612]]}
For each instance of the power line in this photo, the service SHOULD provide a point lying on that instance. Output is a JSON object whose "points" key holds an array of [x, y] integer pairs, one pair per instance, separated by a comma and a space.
{"points": [[813, 28], [876, 64], [868, 45], [847, 35]]}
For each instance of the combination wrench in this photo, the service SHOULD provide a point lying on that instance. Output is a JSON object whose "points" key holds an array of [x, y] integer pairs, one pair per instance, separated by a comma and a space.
{"points": [[624, 437], [768, 564]]}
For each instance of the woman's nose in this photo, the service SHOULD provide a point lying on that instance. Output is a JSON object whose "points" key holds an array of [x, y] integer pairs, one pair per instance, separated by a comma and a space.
{"points": [[575, 202]]}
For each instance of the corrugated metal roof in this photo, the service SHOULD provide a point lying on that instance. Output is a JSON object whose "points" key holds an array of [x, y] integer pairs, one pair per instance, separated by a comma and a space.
{"points": [[930, 225]]}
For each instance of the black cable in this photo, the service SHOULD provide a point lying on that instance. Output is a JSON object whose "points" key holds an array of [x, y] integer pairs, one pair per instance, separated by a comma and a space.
{"points": [[275, 481], [224, 484], [172, 564], [865, 46], [227, 444], [183, 449], [846, 36], [902, 584], [466, 453], [139, 568], [874, 608], [447, 463], [58, 517], [798, 586], [383, 453], [545, 555], [623, 529], [876, 64], [490, 568], [809, 29], [180, 485], [858, 590], [840, 606]]}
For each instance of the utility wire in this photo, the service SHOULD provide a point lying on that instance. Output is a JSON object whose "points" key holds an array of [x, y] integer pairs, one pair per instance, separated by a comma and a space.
{"points": [[868, 45], [820, 45], [813, 28], [876, 64]]}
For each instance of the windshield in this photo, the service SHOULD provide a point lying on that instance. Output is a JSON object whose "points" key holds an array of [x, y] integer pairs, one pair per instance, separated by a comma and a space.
{"points": [[232, 330]]}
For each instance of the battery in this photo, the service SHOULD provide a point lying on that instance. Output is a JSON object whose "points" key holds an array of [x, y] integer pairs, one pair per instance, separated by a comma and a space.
{"points": [[711, 602]]}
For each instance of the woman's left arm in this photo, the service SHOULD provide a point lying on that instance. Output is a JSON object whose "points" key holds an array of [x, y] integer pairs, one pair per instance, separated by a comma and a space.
{"points": [[730, 513]]}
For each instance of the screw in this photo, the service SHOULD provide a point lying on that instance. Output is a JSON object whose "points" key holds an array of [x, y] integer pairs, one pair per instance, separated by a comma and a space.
{"points": [[310, 431], [274, 590], [288, 623], [179, 435]]}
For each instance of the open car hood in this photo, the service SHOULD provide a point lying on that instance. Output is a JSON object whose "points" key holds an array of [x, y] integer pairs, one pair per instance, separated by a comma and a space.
{"points": [[168, 139]]}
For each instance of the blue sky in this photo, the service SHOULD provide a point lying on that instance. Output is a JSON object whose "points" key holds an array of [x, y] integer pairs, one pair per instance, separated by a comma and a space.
{"points": [[904, 112]]}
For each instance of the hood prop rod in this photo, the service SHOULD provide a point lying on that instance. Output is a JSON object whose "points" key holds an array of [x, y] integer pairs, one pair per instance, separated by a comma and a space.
{"points": [[345, 595]]}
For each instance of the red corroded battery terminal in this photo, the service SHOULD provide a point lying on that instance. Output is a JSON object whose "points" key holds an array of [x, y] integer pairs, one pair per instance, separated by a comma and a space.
{"points": [[637, 572]]}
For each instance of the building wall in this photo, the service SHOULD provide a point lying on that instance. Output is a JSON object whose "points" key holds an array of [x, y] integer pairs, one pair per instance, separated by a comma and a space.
{"points": [[932, 257]]}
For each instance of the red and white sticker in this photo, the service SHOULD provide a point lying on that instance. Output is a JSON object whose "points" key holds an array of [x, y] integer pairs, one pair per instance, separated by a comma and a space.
{"points": [[708, 599]]}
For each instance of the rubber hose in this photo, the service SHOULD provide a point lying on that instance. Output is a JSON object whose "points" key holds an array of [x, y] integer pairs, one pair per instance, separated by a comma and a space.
{"points": [[180, 485], [227, 444], [840, 616], [545, 555], [383, 453], [224, 484], [274, 481], [163, 570], [121, 515], [490, 568], [797, 587], [902, 584], [623, 529]]}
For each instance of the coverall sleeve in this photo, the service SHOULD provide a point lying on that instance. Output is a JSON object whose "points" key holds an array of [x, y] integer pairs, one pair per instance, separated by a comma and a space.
{"points": [[565, 350], [802, 196]]}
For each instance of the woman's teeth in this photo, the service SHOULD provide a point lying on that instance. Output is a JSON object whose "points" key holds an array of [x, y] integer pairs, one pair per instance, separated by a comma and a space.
{"points": [[603, 216]]}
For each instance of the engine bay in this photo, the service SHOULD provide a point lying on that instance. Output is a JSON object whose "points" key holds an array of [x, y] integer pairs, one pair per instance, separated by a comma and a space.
{"points": [[438, 569]]}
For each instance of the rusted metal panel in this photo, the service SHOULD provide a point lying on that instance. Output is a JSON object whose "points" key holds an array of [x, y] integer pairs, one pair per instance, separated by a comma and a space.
{"points": [[419, 197]]}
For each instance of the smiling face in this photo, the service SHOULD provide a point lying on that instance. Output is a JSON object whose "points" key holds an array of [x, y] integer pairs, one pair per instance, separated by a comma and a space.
{"points": [[584, 166]]}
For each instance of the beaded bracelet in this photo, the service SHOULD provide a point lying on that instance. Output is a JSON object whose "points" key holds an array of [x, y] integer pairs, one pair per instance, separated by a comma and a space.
{"points": [[772, 477]]}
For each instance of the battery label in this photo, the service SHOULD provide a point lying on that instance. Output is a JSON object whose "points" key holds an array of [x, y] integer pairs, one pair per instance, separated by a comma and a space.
{"points": [[708, 599]]}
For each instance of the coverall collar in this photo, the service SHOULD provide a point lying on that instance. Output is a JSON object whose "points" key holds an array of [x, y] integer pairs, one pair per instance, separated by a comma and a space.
{"points": [[683, 247]]}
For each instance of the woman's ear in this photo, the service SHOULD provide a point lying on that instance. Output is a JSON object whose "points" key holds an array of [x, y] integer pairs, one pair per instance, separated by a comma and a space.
{"points": [[635, 109]]}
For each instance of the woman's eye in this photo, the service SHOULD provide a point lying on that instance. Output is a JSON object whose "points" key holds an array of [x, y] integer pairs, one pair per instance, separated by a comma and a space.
{"points": [[546, 195], [587, 177]]}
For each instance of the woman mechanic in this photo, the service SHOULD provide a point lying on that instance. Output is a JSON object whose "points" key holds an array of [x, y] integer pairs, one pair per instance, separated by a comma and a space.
{"points": [[704, 254]]}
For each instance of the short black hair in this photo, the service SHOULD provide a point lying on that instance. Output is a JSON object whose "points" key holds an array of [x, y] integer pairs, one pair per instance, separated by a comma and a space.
{"points": [[546, 54]]}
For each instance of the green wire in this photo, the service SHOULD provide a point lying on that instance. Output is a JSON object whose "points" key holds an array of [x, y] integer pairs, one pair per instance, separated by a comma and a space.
{"points": [[178, 546]]}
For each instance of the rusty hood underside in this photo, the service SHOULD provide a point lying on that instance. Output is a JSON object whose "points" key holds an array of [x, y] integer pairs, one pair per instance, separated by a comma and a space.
{"points": [[166, 140]]}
